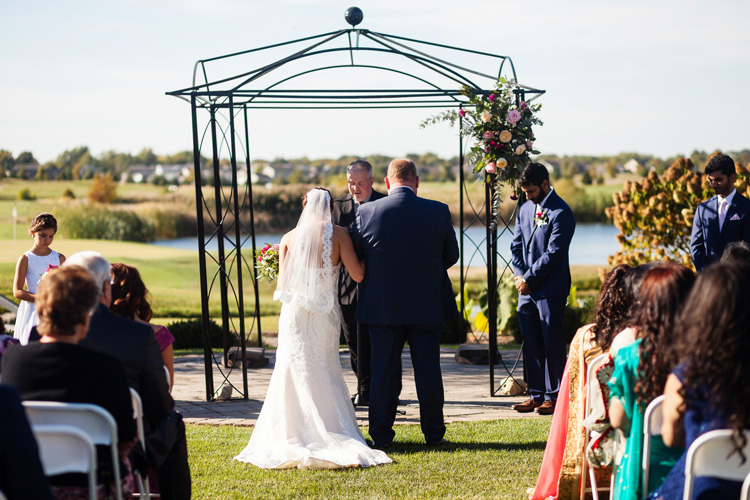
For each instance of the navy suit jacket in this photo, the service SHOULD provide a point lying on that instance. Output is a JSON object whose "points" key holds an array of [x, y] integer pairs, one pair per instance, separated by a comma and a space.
{"points": [[408, 244], [540, 253], [707, 243], [343, 215]]}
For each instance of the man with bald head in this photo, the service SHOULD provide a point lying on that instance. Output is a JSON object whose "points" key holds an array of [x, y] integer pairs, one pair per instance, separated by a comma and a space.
{"points": [[408, 244], [359, 178]]}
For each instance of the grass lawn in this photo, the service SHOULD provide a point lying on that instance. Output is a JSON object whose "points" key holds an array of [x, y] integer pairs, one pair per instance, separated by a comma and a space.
{"points": [[497, 459]]}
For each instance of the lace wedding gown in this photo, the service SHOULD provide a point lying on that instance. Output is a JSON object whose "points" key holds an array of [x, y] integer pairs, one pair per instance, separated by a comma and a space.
{"points": [[307, 420]]}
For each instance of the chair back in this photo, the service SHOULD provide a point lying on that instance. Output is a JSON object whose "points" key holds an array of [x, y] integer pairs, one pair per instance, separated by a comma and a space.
{"points": [[93, 420], [144, 488], [64, 449], [709, 455], [745, 495], [591, 392], [651, 427]]}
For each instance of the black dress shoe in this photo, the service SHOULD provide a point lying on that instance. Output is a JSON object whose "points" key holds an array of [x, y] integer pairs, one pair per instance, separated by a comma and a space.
{"points": [[437, 443], [380, 446], [358, 400]]}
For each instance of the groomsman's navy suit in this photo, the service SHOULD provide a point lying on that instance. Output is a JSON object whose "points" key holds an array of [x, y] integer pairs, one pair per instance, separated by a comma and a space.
{"points": [[540, 255], [707, 242], [408, 243]]}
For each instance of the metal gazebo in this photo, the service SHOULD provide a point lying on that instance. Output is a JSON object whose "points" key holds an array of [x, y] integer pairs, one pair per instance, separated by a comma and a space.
{"points": [[222, 107]]}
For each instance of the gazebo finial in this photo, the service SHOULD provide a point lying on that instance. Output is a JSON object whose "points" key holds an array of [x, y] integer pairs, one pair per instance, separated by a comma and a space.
{"points": [[353, 16]]}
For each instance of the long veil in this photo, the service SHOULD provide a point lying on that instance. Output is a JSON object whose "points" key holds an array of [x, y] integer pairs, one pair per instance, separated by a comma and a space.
{"points": [[304, 277]]}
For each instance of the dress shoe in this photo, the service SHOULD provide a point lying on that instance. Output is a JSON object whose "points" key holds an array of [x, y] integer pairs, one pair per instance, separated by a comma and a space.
{"points": [[380, 446], [547, 408], [526, 406], [437, 443], [358, 400]]}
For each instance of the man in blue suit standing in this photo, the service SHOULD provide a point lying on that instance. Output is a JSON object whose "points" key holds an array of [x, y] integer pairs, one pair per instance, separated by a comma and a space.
{"points": [[544, 228], [721, 220], [408, 244]]}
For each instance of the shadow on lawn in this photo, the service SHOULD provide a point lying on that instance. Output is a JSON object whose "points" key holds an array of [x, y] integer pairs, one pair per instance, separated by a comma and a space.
{"points": [[451, 446]]}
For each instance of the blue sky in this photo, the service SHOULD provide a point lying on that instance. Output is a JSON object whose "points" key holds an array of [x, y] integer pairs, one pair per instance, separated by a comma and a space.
{"points": [[656, 77]]}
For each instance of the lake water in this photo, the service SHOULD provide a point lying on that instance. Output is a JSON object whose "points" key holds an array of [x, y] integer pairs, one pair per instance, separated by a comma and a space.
{"points": [[591, 244]]}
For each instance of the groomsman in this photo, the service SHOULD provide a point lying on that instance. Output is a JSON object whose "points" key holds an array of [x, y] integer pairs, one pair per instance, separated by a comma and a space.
{"points": [[359, 178], [721, 220], [408, 243], [544, 228]]}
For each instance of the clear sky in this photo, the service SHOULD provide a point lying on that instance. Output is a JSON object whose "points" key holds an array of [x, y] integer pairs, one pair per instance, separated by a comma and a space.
{"points": [[656, 77]]}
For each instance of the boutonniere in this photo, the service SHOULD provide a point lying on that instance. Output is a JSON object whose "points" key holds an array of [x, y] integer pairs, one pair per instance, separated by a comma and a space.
{"points": [[541, 218]]}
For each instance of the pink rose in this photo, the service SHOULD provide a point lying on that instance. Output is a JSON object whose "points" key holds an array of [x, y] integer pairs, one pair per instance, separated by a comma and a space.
{"points": [[51, 267], [491, 97], [513, 117], [462, 113], [487, 135], [490, 168]]}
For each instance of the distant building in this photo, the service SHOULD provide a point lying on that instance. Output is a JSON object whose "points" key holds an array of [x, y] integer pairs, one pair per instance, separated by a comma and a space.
{"points": [[631, 166]]}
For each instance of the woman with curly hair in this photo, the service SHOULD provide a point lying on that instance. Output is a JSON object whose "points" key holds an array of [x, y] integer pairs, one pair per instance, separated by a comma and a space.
{"points": [[130, 299], [709, 388], [641, 371], [560, 473]]}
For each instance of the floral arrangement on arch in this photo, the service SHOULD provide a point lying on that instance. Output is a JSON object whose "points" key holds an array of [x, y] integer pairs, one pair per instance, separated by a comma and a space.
{"points": [[267, 262], [501, 127]]}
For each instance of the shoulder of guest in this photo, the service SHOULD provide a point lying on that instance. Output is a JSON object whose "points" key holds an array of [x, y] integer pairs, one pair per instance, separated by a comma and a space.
{"points": [[340, 199]]}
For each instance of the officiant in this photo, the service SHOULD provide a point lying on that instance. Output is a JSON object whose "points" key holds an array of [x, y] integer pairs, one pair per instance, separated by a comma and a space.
{"points": [[359, 178]]}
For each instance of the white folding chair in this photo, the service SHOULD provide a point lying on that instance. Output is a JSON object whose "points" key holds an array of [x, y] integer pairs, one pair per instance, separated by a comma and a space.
{"points": [[651, 427], [143, 484], [745, 495], [91, 419], [586, 469], [709, 456], [64, 449]]}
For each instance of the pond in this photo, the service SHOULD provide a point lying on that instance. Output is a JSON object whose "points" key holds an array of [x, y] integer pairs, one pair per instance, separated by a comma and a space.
{"points": [[591, 244]]}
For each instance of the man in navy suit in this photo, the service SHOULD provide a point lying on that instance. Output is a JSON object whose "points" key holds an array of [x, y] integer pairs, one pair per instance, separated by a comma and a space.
{"points": [[721, 220], [544, 228], [408, 244]]}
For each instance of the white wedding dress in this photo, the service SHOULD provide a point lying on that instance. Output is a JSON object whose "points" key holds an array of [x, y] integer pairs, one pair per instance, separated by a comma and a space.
{"points": [[307, 420]]}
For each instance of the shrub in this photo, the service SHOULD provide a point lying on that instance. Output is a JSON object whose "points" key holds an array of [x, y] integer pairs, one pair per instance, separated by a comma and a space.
{"points": [[189, 334], [68, 194], [103, 189], [98, 222], [25, 194]]}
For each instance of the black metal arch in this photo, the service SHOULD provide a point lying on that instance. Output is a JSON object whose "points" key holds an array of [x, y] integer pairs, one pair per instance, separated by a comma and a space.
{"points": [[441, 82]]}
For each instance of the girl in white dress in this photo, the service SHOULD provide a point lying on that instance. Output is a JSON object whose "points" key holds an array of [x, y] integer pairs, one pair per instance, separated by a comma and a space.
{"points": [[307, 420], [30, 270]]}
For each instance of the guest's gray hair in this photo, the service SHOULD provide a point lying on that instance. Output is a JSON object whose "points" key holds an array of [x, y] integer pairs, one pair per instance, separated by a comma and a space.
{"points": [[360, 166], [95, 263]]}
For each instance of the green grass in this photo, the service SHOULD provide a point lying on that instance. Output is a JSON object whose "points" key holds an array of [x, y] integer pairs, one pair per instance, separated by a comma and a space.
{"points": [[496, 459]]}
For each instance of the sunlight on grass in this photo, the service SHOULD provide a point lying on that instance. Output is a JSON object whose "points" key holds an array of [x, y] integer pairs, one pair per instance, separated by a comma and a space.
{"points": [[496, 459]]}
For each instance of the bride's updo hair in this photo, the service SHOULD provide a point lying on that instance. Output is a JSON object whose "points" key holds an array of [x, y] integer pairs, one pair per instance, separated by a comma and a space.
{"points": [[330, 198]]}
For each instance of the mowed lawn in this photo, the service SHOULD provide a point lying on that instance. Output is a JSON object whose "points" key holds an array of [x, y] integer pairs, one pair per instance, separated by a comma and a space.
{"points": [[497, 459]]}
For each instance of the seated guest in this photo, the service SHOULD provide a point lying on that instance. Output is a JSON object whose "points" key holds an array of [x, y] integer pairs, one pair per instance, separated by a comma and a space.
{"points": [[130, 299], [738, 251], [58, 369], [21, 473], [560, 473], [641, 370], [708, 390], [633, 281], [135, 346]]}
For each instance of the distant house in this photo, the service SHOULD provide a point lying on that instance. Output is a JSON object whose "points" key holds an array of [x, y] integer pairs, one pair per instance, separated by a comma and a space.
{"points": [[173, 174], [631, 166]]}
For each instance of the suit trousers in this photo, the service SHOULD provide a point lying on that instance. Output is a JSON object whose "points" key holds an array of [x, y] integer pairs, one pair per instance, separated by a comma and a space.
{"points": [[541, 323], [359, 352], [387, 344]]}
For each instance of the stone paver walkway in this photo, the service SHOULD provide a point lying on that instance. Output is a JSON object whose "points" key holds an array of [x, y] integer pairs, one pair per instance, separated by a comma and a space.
{"points": [[467, 389]]}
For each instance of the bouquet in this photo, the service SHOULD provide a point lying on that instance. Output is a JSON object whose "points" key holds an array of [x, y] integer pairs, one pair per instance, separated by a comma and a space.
{"points": [[267, 262], [50, 267]]}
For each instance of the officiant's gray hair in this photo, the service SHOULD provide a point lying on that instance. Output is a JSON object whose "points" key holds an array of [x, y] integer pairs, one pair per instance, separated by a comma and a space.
{"points": [[94, 262], [360, 166]]}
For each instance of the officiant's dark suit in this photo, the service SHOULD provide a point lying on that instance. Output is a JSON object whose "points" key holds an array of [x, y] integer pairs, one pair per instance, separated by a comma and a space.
{"points": [[542, 270], [135, 346], [709, 238], [344, 212], [408, 243]]}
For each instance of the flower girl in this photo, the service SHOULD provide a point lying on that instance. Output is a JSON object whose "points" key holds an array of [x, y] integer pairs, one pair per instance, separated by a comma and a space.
{"points": [[31, 268]]}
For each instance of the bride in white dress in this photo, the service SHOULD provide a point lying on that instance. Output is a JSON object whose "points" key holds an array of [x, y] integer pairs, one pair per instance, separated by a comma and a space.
{"points": [[308, 420]]}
